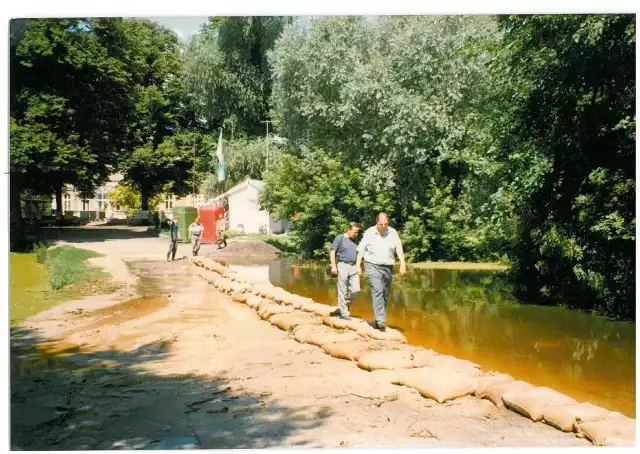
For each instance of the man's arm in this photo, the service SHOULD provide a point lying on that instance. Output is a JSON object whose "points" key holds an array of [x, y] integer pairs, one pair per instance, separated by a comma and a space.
{"points": [[332, 256], [360, 251], [400, 253]]}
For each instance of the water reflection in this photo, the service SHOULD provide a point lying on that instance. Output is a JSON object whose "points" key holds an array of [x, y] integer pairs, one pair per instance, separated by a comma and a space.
{"points": [[472, 315]]}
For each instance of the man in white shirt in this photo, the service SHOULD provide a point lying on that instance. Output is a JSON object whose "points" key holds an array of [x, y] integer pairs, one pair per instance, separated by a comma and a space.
{"points": [[378, 248], [196, 229]]}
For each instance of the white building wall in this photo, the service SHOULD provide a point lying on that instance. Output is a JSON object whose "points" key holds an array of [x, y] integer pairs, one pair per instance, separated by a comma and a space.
{"points": [[244, 210]]}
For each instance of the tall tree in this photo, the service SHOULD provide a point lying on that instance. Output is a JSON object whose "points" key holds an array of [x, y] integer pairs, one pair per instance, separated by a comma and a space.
{"points": [[396, 97], [227, 72], [577, 113], [153, 160], [57, 136]]}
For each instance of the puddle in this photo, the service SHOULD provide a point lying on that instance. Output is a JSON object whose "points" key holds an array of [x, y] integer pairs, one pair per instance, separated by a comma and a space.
{"points": [[164, 278], [122, 312]]}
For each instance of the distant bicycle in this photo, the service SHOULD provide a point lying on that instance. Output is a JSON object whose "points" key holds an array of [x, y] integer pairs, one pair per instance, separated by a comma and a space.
{"points": [[262, 230]]}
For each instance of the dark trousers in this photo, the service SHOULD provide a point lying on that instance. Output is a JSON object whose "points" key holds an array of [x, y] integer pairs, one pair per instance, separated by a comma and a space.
{"points": [[173, 247], [379, 277]]}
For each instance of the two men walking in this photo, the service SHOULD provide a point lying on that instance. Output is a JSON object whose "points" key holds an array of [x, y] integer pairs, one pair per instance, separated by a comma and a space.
{"points": [[377, 249], [195, 232]]}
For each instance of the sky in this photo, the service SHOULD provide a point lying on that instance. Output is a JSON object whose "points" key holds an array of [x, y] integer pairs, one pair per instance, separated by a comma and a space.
{"points": [[184, 27]]}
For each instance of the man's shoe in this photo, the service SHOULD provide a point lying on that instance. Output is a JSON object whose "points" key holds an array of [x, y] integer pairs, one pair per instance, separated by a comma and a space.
{"points": [[335, 313], [381, 326]]}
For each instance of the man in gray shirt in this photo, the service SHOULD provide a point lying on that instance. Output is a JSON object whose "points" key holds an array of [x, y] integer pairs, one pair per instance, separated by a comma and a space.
{"points": [[343, 264], [196, 229], [378, 248]]}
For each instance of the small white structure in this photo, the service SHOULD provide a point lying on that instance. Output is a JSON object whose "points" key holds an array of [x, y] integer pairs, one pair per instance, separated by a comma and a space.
{"points": [[245, 214]]}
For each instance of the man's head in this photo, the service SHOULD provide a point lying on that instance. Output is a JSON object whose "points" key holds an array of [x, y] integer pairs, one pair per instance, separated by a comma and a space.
{"points": [[197, 220], [382, 222], [175, 219], [353, 230], [220, 216]]}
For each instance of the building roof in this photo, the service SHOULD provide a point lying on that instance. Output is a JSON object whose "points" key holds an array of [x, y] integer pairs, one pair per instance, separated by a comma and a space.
{"points": [[240, 186]]}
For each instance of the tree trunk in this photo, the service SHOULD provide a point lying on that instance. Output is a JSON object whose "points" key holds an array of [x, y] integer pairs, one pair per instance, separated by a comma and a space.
{"points": [[17, 238], [59, 209], [144, 196]]}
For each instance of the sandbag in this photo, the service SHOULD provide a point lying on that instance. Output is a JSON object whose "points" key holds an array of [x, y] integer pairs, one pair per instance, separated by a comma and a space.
{"points": [[450, 362], [488, 380], [215, 266], [440, 385], [253, 301], [294, 301], [289, 321], [394, 359], [259, 289], [533, 403], [302, 332], [614, 430], [323, 338], [494, 393], [239, 297], [208, 276], [240, 287], [225, 285], [267, 309], [351, 350], [290, 299], [277, 294], [317, 308], [364, 329], [337, 322], [564, 417]]}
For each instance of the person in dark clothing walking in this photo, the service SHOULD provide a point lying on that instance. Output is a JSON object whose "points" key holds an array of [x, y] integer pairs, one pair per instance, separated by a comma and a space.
{"points": [[343, 265], [173, 238]]}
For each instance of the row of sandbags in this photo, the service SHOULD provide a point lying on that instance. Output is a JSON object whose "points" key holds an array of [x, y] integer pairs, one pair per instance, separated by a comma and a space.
{"points": [[438, 377]]}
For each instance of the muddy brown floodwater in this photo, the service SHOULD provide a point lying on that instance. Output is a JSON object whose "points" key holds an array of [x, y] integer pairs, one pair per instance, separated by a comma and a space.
{"points": [[473, 316]]}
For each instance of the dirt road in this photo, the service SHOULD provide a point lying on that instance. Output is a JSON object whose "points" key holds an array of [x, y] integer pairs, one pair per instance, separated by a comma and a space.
{"points": [[187, 367]]}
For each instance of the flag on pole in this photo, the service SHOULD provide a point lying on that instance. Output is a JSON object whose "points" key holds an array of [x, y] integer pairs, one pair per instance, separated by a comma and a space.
{"points": [[220, 156]]}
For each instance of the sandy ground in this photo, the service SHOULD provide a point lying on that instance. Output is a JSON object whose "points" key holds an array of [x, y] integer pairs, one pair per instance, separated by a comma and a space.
{"points": [[187, 367]]}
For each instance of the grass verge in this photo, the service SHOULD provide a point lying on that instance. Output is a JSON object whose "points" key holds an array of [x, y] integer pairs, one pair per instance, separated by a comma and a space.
{"points": [[45, 278]]}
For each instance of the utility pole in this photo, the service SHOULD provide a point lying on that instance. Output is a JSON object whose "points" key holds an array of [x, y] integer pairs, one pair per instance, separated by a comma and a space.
{"points": [[267, 139], [193, 174]]}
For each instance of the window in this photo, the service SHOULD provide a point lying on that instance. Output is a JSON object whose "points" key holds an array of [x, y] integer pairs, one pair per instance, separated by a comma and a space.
{"points": [[67, 202], [168, 201], [85, 205], [103, 198]]}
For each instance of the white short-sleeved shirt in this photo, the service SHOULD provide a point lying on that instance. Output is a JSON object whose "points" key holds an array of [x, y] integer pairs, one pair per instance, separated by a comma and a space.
{"points": [[380, 249]]}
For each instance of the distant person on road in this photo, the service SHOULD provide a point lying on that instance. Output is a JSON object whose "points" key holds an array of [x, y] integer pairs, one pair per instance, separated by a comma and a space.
{"points": [[343, 265], [156, 220], [196, 229], [378, 248], [173, 238], [221, 231]]}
